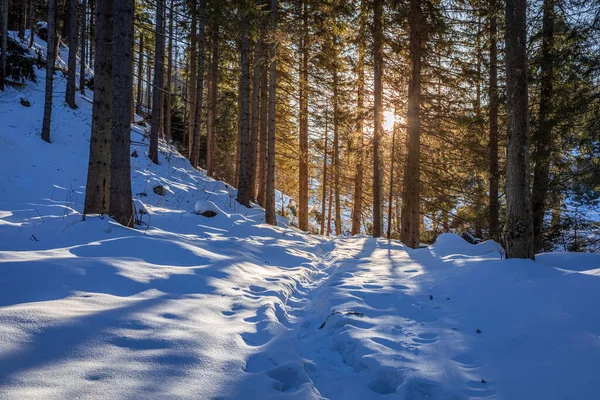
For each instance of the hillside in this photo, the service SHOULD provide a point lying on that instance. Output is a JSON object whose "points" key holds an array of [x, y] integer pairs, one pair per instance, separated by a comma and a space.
{"points": [[190, 307]]}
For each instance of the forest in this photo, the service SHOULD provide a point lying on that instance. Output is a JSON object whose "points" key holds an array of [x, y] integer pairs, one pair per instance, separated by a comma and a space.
{"points": [[299, 199], [397, 119]]}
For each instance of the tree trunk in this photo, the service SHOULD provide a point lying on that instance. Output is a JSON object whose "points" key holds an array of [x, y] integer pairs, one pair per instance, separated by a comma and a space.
{"points": [[391, 192], [4, 43], [360, 70], [97, 192], [148, 83], [518, 232], [410, 233], [140, 73], [238, 147], [264, 141], [336, 151], [22, 19], [50, 59], [168, 86], [72, 64], [329, 211], [270, 185], [543, 137], [303, 117], [244, 193], [121, 208], [193, 75], [254, 117], [31, 34], [158, 83], [199, 87], [83, 44], [324, 196], [378, 128], [212, 107], [493, 222]]}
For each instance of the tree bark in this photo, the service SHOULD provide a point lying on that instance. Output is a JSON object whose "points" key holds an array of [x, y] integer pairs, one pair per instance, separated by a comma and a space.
{"points": [[264, 140], [518, 231], [324, 195], [121, 208], [193, 75], [72, 63], [158, 82], [140, 73], [83, 44], [50, 59], [270, 215], [303, 117], [31, 34], [199, 87], [212, 107], [168, 86], [410, 233], [360, 70], [493, 217], [391, 191], [244, 194], [336, 151], [97, 192], [543, 137], [255, 115], [4, 42], [378, 128], [22, 19]]}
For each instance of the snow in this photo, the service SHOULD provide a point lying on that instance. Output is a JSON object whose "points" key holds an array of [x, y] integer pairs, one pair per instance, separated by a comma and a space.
{"points": [[190, 307]]}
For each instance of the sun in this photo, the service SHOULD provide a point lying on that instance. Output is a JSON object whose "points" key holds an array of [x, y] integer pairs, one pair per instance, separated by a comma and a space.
{"points": [[388, 120]]}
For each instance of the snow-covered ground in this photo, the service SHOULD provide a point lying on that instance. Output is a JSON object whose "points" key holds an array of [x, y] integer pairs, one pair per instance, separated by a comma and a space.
{"points": [[190, 307]]}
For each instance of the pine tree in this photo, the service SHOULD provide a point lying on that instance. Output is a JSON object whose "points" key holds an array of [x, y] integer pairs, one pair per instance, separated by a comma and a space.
{"points": [[72, 62], [377, 117], [158, 82]]}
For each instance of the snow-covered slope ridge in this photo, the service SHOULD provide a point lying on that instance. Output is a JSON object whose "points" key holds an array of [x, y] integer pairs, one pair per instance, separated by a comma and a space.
{"points": [[190, 307]]}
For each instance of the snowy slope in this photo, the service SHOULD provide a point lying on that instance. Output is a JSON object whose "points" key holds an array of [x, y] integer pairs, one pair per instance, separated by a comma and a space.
{"points": [[190, 307]]}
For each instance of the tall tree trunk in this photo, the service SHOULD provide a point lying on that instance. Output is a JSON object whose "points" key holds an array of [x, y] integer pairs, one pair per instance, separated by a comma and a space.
{"points": [[411, 194], [31, 34], [121, 208], [50, 59], [360, 70], [329, 210], [140, 73], [493, 217], [72, 64], [244, 194], [83, 44], [4, 43], [199, 87], [97, 192], [212, 106], [148, 83], [391, 191], [378, 117], [324, 196], [254, 117], [168, 86], [238, 147], [23, 19], [336, 150], [193, 75], [303, 116], [519, 223], [158, 83], [270, 185], [264, 141], [543, 137]]}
